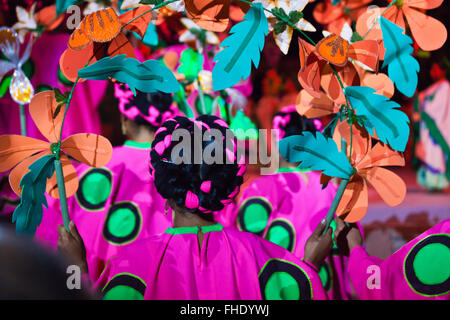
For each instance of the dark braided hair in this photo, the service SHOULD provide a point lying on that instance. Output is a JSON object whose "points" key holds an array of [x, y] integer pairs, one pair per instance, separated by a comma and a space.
{"points": [[198, 188], [290, 122], [146, 109]]}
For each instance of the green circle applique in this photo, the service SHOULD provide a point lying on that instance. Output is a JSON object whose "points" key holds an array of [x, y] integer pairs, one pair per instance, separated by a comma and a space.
{"points": [[283, 280], [282, 286], [254, 215], [124, 286], [123, 223], [325, 275], [281, 233], [95, 189], [427, 266]]}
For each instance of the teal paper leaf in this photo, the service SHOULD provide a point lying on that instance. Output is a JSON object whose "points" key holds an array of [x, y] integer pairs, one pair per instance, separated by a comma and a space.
{"points": [[150, 36], [149, 76], [316, 153], [382, 114], [402, 67], [28, 214], [62, 5], [242, 47], [191, 63]]}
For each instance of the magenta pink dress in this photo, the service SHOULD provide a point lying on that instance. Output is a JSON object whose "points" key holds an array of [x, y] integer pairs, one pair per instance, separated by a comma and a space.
{"points": [[230, 265], [286, 208], [114, 205], [420, 270]]}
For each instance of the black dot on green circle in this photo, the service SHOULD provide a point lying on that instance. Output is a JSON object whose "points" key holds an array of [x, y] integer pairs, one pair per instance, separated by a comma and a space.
{"points": [[282, 280], [427, 266], [254, 215], [325, 274], [94, 189], [123, 223], [124, 286], [282, 233]]}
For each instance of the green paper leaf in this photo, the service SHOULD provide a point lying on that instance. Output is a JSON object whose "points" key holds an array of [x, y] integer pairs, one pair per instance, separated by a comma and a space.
{"points": [[4, 85], [149, 76], [316, 153], [382, 115], [191, 63], [295, 16], [180, 98], [28, 214], [280, 12], [280, 26], [356, 37]]}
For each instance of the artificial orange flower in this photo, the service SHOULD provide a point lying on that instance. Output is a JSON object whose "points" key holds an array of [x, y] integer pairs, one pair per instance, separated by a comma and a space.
{"points": [[368, 163], [335, 16], [429, 33], [316, 69], [19, 152], [212, 15], [97, 29]]}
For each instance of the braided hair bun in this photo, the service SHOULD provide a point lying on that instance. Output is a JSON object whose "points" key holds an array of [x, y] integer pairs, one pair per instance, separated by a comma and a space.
{"points": [[290, 123], [197, 186], [149, 109]]}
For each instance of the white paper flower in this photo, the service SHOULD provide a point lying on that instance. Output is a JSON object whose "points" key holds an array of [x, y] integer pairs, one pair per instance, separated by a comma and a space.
{"points": [[283, 39], [26, 22]]}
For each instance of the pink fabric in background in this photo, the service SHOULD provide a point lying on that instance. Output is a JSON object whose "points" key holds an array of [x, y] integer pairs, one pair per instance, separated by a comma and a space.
{"points": [[395, 272]]}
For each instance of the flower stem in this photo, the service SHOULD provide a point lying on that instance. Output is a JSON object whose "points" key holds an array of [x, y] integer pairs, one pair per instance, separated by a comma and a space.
{"points": [[23, 120], [62, 193], [335, 203]]}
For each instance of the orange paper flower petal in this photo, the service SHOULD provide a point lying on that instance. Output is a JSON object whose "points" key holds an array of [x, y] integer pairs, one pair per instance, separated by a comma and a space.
{"points": [[380, 82], [354, 201], [423, 4], [70, 180], [47, 17], [73, 60], [140, 24], [330, 83], [121, 45], [356, 136], [42, 108], [366, 20], [381, 155], [78, 40], [325, 12], [15, 148], [309, 78], [21, 169], [429, 33], [209, 15], [365, 51], [101, 25], [312, 107], [91, 149], [334, 49], [302, 55], [390, 187], [171, 59]]}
